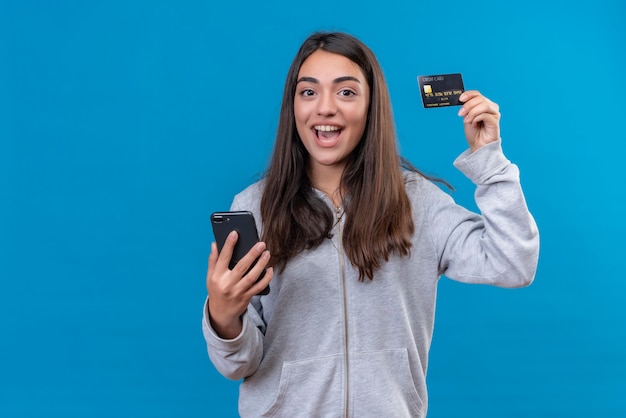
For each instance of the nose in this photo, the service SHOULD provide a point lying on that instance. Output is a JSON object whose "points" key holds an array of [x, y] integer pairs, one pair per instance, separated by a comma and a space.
{"points": [[326, 105]]}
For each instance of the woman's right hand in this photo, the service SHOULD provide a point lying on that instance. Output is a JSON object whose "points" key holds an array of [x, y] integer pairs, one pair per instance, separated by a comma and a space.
{"points": [[230, 291]]}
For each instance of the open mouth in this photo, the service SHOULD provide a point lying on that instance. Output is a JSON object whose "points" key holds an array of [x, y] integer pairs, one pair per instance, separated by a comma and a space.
{"points": [[327, 132]]}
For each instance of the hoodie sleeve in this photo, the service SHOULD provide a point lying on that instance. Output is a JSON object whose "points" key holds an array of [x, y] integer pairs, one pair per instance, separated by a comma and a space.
{"points": [[239, 357], [501, 245]]}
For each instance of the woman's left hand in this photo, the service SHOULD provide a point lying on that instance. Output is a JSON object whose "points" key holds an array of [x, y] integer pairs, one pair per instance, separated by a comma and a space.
{"points": [[481, 119]]}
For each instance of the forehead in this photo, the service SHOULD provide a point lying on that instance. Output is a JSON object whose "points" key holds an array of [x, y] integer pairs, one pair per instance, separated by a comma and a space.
{"points": [[325, 66]]}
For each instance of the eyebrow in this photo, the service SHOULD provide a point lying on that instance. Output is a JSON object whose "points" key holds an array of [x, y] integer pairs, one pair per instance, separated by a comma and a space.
{"points": [[335, 81]]}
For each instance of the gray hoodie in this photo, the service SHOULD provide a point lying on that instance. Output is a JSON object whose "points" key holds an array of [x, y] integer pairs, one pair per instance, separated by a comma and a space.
{"points": [[324, 344]]}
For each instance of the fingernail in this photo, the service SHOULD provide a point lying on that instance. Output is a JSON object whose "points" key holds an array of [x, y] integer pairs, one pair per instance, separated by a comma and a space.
{"points": [[266, 255], [232, 236], [260, 246]]}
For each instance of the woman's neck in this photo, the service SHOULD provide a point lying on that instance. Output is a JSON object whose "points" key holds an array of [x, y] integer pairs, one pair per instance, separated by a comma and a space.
{"points": [[328, 181]]}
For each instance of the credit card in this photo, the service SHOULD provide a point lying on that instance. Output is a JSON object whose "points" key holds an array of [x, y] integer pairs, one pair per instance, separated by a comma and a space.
{"points": [[441, 90]]}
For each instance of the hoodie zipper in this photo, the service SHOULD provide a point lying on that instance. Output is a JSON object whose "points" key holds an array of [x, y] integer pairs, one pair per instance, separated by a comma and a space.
{"points": [[339, 216]]}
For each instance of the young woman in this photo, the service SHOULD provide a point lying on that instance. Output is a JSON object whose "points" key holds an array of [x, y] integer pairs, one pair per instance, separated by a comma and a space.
{"points": [[358, 243]]}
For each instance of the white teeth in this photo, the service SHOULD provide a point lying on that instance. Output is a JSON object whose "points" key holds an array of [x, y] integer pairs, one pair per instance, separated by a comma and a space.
{"points": [[326, 128]]}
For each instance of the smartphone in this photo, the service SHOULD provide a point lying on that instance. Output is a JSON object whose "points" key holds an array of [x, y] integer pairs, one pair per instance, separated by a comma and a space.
{"points": [[224, 223]]}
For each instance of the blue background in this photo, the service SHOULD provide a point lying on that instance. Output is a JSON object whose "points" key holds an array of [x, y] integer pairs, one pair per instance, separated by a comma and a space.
{"points": [[124, 124]]}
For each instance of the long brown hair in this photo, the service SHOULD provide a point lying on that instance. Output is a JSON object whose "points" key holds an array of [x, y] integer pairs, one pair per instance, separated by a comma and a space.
{"points": [[378, 218]]}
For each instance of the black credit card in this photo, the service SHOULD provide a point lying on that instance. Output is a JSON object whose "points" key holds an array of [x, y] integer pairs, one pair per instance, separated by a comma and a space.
{"points": [[441, 90]]}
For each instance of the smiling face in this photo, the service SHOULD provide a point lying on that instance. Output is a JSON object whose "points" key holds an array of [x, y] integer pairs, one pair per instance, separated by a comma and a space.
{"points": [[330, 108]]}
